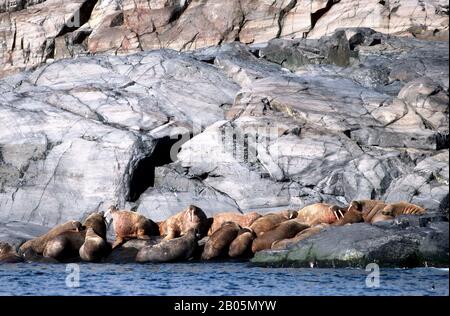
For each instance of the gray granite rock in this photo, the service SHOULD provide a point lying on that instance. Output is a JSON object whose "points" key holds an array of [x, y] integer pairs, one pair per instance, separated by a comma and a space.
{"points": [[34, 32]]}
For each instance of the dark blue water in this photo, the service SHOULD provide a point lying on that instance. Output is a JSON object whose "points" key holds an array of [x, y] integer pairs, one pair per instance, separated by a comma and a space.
{"points": [[213, 279]]}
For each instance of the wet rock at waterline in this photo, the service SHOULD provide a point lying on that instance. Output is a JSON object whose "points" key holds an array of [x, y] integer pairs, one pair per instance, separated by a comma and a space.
{"points": [[407, 241]]}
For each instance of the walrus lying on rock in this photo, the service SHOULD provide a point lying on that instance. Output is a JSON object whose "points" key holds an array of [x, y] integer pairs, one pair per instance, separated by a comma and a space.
{"points": [[287, 229], [179, 224], [270, 221], [368, 211], [402, 208], [241, 246], [243, 220], [8, 254], [219, 242], [308, 232], [131, 225], [177, 249], [37, 245], [372, 211], [320, 213], [68, 244]]}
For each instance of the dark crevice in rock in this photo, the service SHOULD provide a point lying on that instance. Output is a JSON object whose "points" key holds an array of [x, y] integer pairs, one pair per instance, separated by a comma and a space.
{"points": [[282, 15], [118, 20], [79, 18], [143, 174], [179, 11], [79, 37], [442, 141], [315, 17]]}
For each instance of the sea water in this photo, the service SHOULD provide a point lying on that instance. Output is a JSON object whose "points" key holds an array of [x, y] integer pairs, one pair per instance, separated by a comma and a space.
{"points": [[186, 279]]}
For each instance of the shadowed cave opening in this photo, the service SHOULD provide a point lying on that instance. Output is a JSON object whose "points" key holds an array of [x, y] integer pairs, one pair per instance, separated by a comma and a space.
{"points": [[79, 18], [315, 17], [143, 175]]}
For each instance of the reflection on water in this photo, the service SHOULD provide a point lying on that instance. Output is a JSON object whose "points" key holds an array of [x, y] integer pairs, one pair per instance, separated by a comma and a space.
{"points": [[215, 279]]}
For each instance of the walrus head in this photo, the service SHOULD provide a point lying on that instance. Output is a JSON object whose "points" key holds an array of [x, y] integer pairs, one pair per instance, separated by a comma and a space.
{"points": [[195, 214], [77, 226], [355, 206], [5, 248], [97, 222], [337, 211], [293, 214]]}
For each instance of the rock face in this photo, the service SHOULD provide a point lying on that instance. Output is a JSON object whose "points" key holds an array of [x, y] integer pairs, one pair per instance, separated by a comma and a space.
{"points": [[324, 133], [35, 31], [404, 242], [354, 115], [73, 133], [79, 135]]}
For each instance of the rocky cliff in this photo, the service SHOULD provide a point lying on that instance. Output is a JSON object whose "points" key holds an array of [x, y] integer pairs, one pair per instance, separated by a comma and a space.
{"points": [[33, 32], [253, 105]]}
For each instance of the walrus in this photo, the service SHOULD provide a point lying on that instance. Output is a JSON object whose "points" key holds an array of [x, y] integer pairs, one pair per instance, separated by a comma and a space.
{"points": [[67, 244], [402, 208], [308, 232], [8, 254], [64, 246], [351, 216], [320, 213], [176, 249], [177, 225], [243, 220], [94, 247], [269, 221], [368, 208], [127, 252], [38, 244], [219, 242], [131, 225], [242, 244], [287, 229]]}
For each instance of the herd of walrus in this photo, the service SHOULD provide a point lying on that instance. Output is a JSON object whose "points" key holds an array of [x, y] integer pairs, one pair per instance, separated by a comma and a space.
{"points": [[190, 234]]}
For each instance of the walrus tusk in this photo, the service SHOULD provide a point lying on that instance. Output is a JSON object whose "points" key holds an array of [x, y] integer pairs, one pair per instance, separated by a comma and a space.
{"points": [[340, 212], [335, 214]]}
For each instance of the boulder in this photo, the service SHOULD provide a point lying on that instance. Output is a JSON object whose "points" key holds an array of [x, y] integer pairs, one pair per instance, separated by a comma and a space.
{"points": [[404, 242]]}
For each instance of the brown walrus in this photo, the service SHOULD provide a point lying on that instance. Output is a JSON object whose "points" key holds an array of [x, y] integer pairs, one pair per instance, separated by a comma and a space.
{"points": [[177, 249], [320, 213], [8, 254], [38, 244], [287, 229], [219, 242], [242, 244], [308, 232], [67, 244], [402, 208], [94, 247], [243, 220], [64, 246], [368, 208], [131, 225], [179, 224], [270, 221]]}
